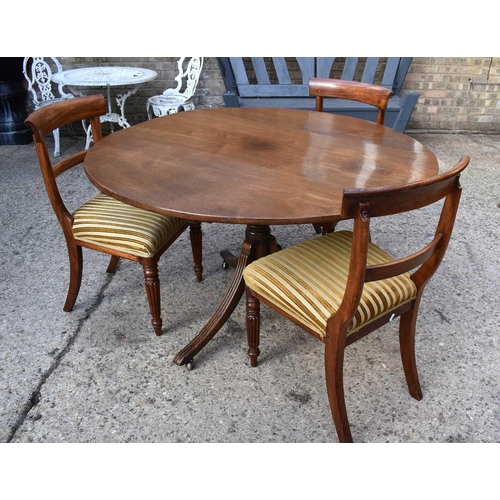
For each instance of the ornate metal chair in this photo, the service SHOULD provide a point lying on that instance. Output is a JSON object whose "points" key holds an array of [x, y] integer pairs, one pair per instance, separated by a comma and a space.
{"points": [[38, 72], [174, 99], [103, 223], [340, 287]]}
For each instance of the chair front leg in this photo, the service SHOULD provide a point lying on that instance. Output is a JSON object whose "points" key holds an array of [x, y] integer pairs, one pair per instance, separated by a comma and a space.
{"points": [[75, 274], [253, 327], [334, 371], [152, 283], [407, 324]]}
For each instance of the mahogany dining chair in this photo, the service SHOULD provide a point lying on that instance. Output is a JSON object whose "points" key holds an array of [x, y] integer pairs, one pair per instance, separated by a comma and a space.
{"points": [[104, 223], [339, 287]]}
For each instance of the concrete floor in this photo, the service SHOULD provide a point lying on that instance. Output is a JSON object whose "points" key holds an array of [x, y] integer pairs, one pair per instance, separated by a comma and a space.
{"points": [[100, 375]]}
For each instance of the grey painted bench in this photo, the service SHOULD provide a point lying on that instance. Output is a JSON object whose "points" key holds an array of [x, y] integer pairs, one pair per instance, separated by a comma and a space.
{"points": [[279, 82]]}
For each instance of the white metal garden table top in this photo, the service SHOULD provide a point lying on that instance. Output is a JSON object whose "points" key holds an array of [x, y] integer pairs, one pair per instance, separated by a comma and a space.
{"points": [[104, 75]]}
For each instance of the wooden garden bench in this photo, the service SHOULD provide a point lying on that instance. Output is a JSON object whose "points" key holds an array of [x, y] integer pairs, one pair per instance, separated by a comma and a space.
{"points": [[283, 82]]}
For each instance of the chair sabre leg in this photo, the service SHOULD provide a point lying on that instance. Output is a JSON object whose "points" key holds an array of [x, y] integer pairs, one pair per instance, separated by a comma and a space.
{"points": [[75, 275], [253, 327], [407, 325], [152, 283], [334, 369]]}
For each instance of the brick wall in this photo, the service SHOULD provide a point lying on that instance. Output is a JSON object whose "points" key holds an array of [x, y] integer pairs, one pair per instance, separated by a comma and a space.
{"points": [[459, 94], [456, 94]]}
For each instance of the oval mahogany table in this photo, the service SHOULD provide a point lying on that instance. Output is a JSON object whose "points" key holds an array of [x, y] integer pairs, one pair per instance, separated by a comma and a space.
{"points": [[252, 166]]}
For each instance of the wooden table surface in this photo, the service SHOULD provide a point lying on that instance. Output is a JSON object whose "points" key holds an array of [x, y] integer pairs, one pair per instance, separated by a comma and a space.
{"points": [[253, 166]]}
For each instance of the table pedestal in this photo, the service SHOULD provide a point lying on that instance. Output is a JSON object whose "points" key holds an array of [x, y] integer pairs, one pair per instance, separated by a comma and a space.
{"points": [[258, 243], [110, 116]]}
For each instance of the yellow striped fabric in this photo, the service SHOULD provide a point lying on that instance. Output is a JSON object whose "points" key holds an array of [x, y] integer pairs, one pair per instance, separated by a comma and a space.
{"points": [[110, 223], [308, 282]]}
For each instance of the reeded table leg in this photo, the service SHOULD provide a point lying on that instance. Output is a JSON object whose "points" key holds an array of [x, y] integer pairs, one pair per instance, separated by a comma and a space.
{"points": [[258, 243]]}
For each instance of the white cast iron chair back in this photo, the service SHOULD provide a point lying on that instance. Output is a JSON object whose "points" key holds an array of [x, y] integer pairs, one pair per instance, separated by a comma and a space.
{"points": [[174, 99], [38, 72]]}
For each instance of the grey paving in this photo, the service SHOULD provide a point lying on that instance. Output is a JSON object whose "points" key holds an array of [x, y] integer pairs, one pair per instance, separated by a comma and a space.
{"points": [[99, 374]]}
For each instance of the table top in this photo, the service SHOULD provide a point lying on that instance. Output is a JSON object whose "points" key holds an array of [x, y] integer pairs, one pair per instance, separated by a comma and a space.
{"points": [[253, 165], [104, 75]]}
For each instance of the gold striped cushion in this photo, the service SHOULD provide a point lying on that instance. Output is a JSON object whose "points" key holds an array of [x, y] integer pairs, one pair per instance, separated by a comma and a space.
{"points": [[110, 223], [308, 282]]}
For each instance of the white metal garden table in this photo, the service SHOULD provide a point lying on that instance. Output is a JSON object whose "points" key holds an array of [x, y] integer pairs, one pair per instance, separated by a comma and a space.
{"points": [[107, 76]]}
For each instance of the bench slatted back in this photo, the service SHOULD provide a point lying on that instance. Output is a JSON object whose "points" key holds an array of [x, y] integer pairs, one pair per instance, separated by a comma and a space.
{"points": [[393, 74], [324, 66], [306, 65]]}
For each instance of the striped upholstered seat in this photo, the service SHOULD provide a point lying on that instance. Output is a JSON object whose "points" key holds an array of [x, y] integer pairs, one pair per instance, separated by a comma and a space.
{"points": [[112, 224], [308, 280]]}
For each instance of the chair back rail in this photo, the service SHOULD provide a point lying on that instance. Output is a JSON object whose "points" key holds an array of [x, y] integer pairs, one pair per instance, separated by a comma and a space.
{"points": [[67, 163], [375, 95], [400, 266], [367, 93], [43, 121], [397, 199]]}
